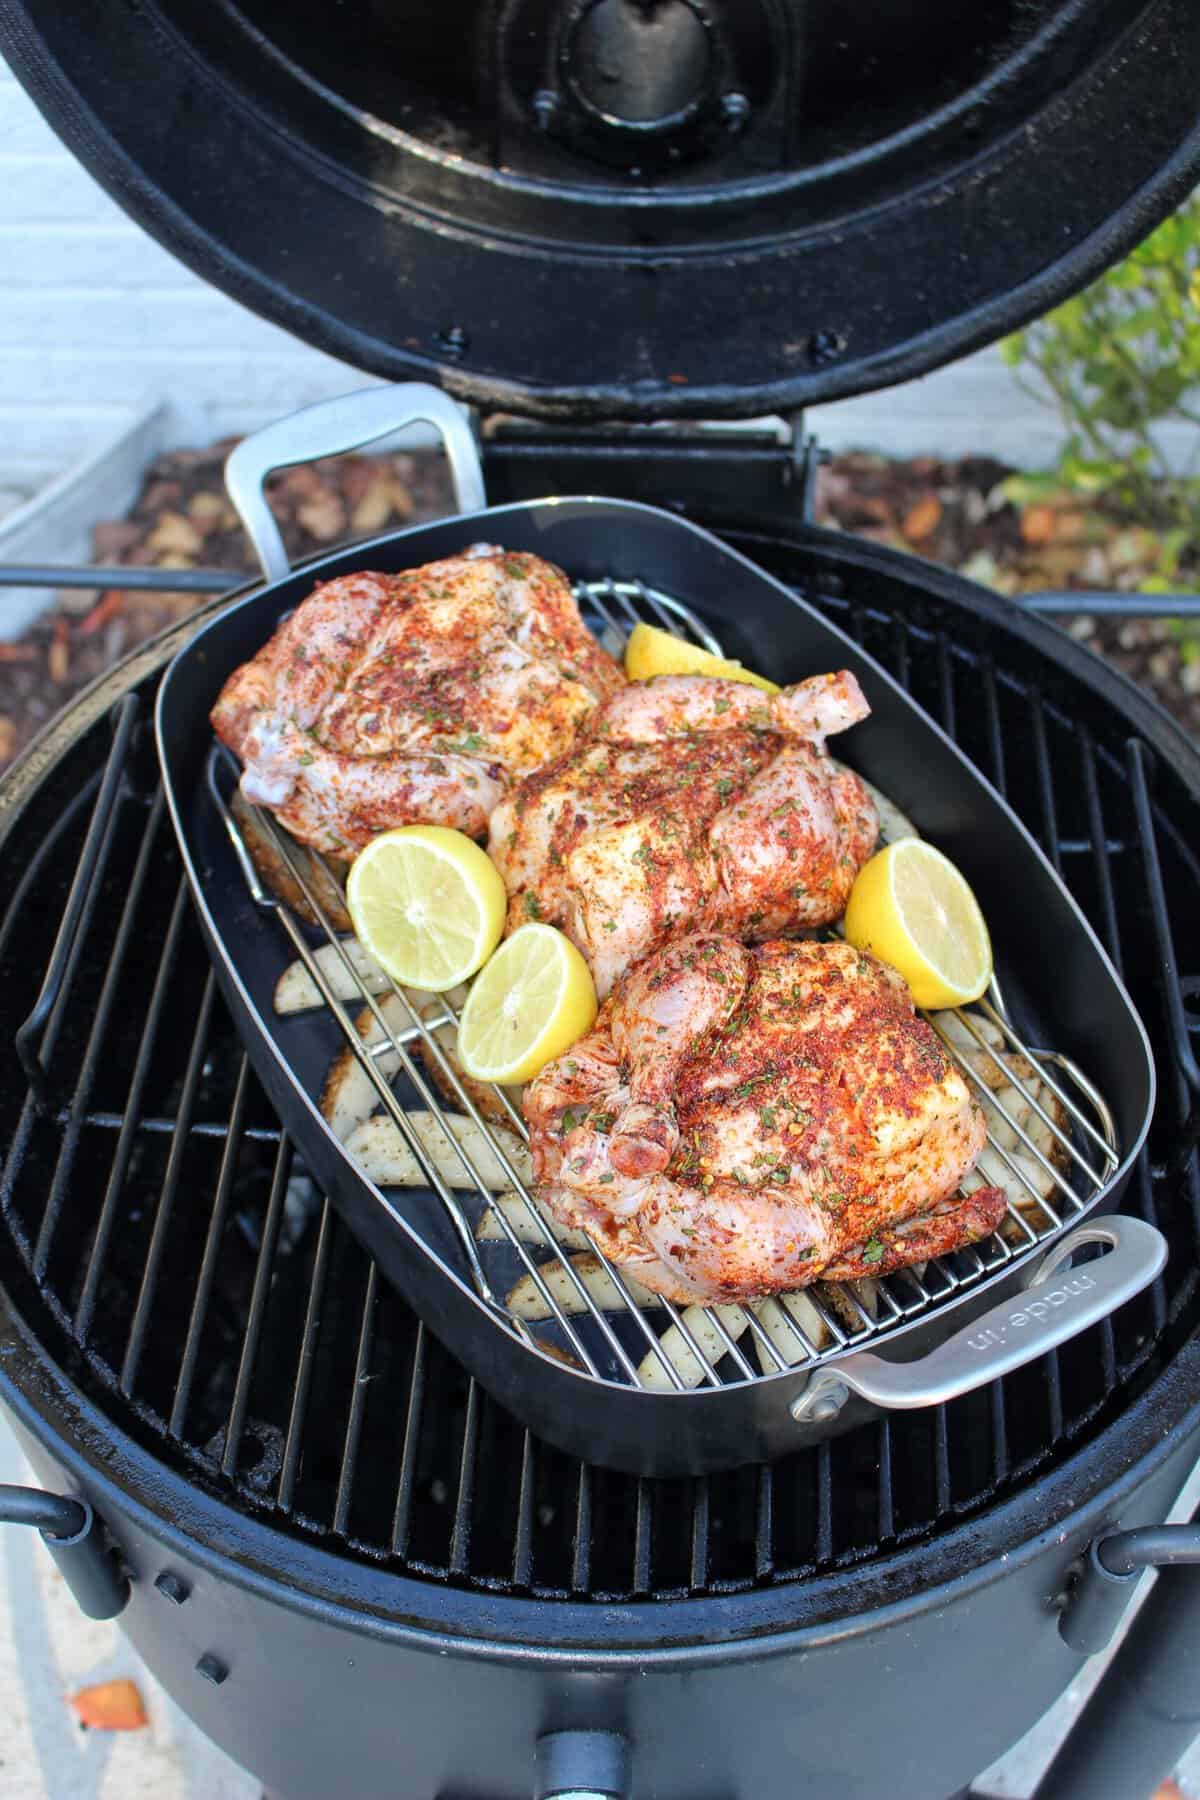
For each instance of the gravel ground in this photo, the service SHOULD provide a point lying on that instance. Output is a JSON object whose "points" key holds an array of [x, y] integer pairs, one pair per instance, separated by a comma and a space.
{"points": [[971, 515]]}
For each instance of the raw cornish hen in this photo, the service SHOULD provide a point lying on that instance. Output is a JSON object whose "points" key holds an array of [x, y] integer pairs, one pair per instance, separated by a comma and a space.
{"points": [[743, 1121], [414, 698], [689, 803]]}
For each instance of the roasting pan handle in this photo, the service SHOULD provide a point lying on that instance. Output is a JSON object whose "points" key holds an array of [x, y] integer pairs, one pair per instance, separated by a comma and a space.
{"points": [[1056, 1304], [328, 429]]}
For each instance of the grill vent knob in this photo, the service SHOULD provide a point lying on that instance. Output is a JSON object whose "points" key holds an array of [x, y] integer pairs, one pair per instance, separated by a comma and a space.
{"points": [[640, 62]]}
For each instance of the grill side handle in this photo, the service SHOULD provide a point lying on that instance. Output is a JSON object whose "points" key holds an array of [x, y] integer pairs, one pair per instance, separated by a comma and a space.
{"points": [[332, 427], [1057, 1303]]}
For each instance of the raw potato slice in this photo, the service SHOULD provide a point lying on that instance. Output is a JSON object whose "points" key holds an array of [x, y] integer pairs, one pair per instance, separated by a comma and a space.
{"points": [[527, 1303], [296, 991], [839, 1297], [679, 1352], [489, 1229], [1011, 1068], [991, 1168], [349, 1094], [482, 1094], [773, 1314], [382, 1154], [273, 871]]}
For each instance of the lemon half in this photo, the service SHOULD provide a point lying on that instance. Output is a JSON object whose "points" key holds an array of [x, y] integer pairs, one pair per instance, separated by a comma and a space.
{"points": [[427, 904], [528, 1005], [653, 652], [911, 908]]}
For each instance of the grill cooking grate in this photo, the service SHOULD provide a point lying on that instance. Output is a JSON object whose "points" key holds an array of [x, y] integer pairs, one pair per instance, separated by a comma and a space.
{"points": [[158, 1239], [599, 1320]]}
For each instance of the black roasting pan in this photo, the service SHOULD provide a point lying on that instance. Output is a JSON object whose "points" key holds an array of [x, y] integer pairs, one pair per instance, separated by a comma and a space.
{"points": [[1060, 988]]}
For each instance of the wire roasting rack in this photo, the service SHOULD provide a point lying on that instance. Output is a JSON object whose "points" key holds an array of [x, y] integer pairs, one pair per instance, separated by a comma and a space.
{"points": [[596, 1318]]}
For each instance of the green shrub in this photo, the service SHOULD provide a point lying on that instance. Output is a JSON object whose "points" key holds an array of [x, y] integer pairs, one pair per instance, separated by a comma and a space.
{"points": [[1117, 361]]}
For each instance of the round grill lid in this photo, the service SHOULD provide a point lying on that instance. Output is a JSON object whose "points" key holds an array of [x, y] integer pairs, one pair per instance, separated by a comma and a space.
{"points": [[631, 208]]}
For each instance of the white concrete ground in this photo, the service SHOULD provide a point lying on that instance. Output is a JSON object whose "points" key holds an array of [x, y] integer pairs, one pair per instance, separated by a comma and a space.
{"points": [[48, 1650]]}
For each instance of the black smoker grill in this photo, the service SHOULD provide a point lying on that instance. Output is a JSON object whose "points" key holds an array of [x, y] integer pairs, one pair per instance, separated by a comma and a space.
{"points": [[348, 1564]]}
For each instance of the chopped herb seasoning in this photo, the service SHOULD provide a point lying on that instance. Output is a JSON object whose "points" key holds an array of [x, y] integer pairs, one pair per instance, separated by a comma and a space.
{"points": [[720, 706], [724, 787], [533, 906], [872, 1251]]}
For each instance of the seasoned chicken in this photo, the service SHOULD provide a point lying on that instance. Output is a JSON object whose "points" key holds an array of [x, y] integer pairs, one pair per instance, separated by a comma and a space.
{"points": [[743, 1121], [688, 804], [414, 698]]}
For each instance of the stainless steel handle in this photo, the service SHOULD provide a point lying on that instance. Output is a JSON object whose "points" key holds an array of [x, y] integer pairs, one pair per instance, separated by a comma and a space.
{"points": [[1054, 1307], [328, 429]]}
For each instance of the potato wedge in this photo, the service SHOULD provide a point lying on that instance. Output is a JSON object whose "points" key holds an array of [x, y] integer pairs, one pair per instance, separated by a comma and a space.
{"points": [[526, 1301], [296, 991], [773, 1316], [490, 1231], [1020, 1187], [349, 1095], [484, 1097], [839, 1297], [384, 1158], [679, 1352], [325, 881]]}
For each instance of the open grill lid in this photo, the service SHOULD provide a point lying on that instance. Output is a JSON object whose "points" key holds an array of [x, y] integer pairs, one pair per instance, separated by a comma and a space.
{"points": [[631, 208]]}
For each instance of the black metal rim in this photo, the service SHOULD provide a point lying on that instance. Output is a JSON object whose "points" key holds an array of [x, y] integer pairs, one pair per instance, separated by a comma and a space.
{"points": [[1084, 1492], [425, 318]]}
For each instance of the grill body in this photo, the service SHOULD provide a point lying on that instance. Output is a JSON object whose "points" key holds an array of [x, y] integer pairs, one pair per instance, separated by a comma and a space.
{"points": [[904, 1680], [375, 1564]]}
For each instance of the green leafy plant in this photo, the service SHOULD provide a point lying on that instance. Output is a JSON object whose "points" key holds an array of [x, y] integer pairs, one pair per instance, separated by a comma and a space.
{"points": [[1119, 361]]}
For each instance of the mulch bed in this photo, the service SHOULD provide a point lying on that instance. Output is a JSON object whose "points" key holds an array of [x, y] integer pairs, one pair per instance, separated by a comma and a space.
{"points": [[969, 514]]}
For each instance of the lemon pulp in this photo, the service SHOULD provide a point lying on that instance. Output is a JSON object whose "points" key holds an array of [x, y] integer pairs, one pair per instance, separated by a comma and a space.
{"points": [[529, 1004], [427, 903], [912, 908]]}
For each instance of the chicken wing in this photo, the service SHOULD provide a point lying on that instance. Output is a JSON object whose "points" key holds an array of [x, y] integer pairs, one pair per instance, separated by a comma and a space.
{"points": [[688, 804], [742, 1121], [414, 698]]}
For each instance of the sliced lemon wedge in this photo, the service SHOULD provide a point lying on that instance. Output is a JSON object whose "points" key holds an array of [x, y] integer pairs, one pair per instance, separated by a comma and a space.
{"points": [[427, 904], [653, 652], [528, 1005], [910, 907]]}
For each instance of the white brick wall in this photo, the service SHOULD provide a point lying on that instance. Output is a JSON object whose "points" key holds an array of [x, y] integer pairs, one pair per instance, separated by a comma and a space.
{"points": [[97, 323]]}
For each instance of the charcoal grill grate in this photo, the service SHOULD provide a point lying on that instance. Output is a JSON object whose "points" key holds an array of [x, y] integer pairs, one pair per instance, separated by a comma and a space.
{"points": [[612, 1335], [257, 1328]]}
